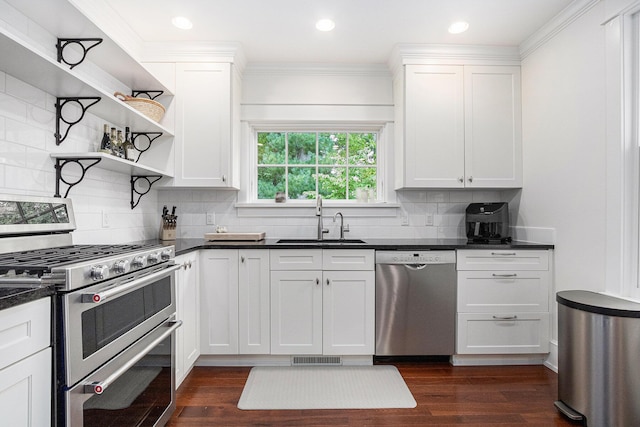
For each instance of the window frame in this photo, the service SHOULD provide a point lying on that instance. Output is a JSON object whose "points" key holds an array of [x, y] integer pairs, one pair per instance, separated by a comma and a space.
{"points": [[252, 192]]}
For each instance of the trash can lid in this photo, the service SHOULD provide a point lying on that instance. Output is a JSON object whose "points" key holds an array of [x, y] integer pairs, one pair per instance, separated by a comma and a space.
{"points": [[594, 302]]}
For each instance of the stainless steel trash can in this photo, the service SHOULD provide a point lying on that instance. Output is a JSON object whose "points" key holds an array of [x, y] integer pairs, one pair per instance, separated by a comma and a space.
{"points": [[598, 359]]}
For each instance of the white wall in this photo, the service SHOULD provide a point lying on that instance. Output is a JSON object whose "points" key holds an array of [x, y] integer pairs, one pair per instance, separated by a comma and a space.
{"points": [[564, 149]]}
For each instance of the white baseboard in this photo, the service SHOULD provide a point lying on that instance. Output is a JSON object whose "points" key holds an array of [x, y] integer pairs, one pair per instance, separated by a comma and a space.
{"points": [[552, 360], [497, 359]]}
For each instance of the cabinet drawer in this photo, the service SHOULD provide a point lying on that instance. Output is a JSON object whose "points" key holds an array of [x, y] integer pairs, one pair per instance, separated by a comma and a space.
{"points": [[24, 330], [502, 292], [502, 259], [348, 259], [518, 333], [296, 259]]}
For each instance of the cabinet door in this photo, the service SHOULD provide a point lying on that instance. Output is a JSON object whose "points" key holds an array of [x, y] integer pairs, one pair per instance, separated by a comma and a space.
{"points": [[254, 302], [348, 312], [187, 303], [296, 312], [493, 129], [434, 126], [219, 301], [203, 125], [25, 391]]}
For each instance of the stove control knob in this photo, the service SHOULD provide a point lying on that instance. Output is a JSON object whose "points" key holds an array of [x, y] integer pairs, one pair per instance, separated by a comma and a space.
{"points": [[122, 266], [154, 257], [99, 272], [165, 255], [139, 262]]}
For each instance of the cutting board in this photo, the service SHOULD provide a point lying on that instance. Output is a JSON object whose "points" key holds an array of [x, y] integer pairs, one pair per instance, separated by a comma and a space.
{"points": [[254, 237]]}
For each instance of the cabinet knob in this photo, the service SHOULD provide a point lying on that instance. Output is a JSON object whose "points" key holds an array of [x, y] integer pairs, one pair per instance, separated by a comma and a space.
{"points": [[224, 178], [470, 179], [460, 179], [242, 259], [327, 282], [317, 281]]}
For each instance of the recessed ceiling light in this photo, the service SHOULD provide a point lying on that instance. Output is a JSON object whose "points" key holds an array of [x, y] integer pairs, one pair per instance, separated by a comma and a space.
{"points": [[459, 27], [182, 23], [325, 25]]}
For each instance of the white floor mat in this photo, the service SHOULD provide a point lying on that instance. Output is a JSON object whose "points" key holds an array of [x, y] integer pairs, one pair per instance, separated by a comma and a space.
{"points": [[325, 387]]}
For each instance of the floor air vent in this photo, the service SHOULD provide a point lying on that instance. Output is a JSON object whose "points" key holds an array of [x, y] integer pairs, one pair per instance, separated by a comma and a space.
{"points": [[316, 360]]}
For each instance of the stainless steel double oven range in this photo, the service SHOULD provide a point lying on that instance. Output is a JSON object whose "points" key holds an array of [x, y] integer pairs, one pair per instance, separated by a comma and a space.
{"points": [[114, 315]]}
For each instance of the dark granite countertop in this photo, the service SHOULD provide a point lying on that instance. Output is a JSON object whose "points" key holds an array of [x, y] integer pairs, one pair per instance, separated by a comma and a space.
{"points": [[11, 296], [184, 246]]}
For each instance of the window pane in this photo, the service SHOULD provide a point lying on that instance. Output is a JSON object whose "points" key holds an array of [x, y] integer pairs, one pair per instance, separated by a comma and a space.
{"points": [[361, 178], [302, 148], [270, 180], [302, 183], [332, 183], [362, 149], [271, 148], [332, 148]]}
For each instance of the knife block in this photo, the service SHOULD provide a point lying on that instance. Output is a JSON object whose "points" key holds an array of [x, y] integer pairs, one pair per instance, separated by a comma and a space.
{"points": [[167, 233]]}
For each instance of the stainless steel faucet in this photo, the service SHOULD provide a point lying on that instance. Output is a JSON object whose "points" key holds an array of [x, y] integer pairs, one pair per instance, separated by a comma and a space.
{"points": [[343, 228], [321, 230]]}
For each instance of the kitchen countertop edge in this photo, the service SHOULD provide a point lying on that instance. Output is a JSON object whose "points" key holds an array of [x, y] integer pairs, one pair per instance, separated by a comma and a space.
{"points": [[184, 246], [11, 296]]}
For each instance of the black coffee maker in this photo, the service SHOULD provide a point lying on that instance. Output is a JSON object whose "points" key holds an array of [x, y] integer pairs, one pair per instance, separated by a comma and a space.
{"points": [[488, 223]]}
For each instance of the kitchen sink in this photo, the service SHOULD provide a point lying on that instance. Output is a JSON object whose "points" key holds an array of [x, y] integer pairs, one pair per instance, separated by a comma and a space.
{"points": [[319, 242]]}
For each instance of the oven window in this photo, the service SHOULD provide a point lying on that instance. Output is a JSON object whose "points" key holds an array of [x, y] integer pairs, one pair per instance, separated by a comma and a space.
{"points": [[109, 321], [137, 398]]}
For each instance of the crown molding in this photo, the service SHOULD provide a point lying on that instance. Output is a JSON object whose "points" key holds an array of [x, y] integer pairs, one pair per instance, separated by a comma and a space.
{"points": [[317, 69], [186, 51], [404, 54], [569, 14]]}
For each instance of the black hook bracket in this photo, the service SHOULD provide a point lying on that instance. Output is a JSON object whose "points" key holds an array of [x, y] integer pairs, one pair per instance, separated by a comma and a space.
{"points": [[151, 94], [63, 43], [62, 162], [150, 179], [60, 103], [151, 136]]}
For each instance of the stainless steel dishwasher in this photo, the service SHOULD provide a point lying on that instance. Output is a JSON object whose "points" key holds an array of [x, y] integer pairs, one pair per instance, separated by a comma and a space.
{"points": [[415, 303]]}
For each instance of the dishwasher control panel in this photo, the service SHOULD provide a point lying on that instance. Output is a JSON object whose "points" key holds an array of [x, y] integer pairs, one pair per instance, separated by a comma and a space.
{"points": [[417, 257]]}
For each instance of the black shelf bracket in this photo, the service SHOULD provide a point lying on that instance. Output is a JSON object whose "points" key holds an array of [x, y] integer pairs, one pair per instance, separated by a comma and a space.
{"points": [[151, 136], [150, 179], [60, 103], [62, 162], [151, 94], [64, 43]]}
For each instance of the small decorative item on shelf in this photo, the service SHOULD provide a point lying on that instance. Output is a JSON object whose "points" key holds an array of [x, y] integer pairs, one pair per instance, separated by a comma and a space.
{"points": [[105, 144], [281, 197], [129, 149], [168, 224], [150, 108]]}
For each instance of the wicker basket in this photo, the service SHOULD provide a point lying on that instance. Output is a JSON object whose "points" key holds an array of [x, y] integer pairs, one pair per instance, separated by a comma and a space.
{"points": [[150, 108]]}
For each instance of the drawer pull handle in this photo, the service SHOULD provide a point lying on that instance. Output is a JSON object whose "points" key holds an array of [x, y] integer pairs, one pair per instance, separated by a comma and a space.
{"points": [[505, 317], [503, 254], [504, 275]]}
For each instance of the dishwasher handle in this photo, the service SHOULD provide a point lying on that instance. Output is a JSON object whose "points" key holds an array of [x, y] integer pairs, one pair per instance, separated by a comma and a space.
{"points": [[415, 267]]}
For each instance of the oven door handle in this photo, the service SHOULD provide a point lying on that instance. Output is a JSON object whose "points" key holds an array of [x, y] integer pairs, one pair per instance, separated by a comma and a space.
{"points": [[98, 387], [100, 297]]}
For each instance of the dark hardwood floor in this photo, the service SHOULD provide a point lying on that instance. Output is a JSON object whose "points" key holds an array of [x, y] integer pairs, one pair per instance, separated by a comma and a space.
{"points": [[446, 395]]}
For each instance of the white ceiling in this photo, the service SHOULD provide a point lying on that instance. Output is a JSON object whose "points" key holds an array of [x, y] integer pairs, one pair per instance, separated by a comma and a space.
{"points": [[366, 30]]}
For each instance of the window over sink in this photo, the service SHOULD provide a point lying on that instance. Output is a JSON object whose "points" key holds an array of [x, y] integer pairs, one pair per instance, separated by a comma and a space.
{"points": [[338, 164]]}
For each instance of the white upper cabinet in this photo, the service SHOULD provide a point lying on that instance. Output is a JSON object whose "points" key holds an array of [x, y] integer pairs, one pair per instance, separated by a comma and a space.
{"points": [[207, 106], [493, 128], [460, 126]]}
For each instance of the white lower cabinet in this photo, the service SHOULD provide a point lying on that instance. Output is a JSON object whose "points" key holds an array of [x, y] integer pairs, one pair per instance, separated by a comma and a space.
{"points": [[503, 302], [316, 311], [25, 364], [234, 304], [187, 310]]}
